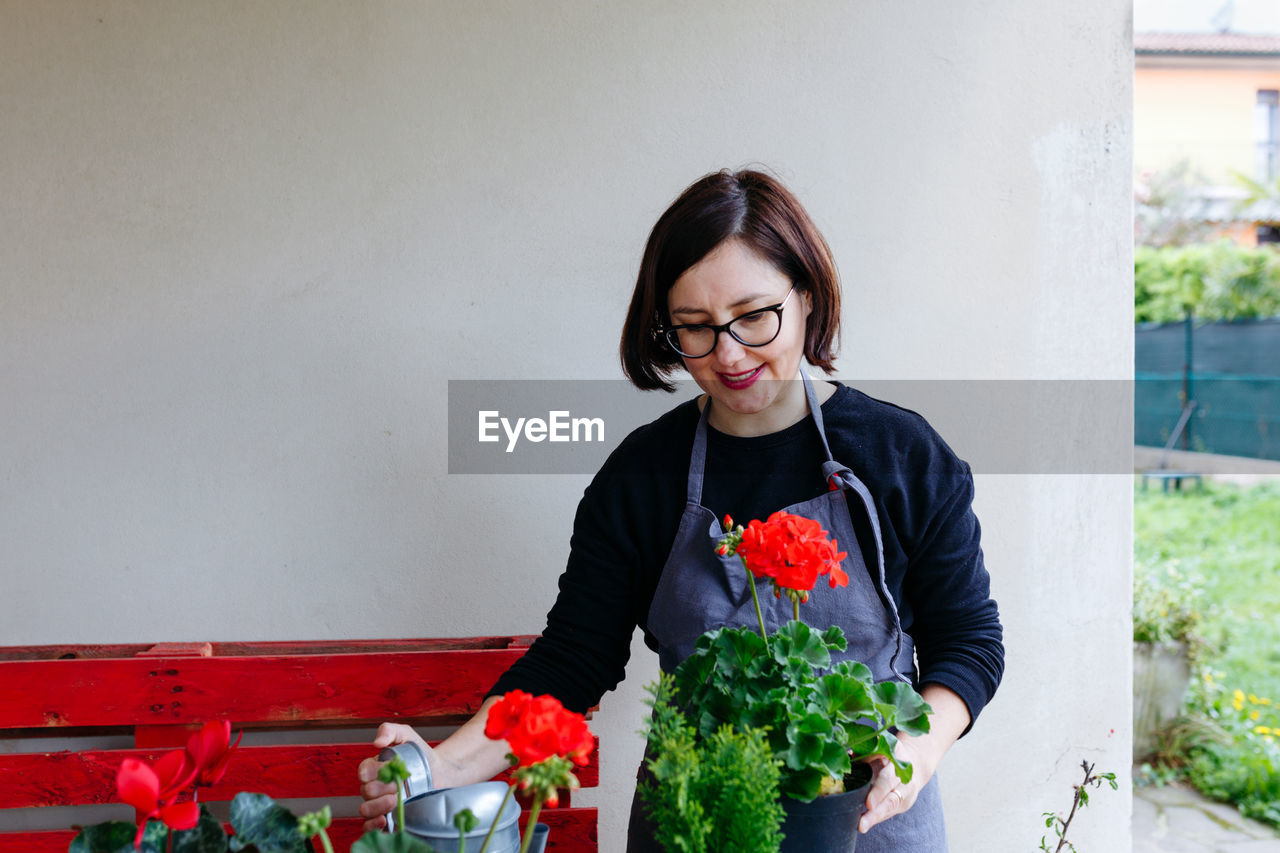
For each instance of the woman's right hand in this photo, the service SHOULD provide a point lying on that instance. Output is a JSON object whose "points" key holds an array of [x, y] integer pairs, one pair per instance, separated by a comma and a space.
{"points": [[380, 797]]}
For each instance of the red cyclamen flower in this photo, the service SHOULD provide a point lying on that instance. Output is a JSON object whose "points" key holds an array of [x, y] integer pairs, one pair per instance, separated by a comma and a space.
{"points": [[151, 791], [209, 750]]}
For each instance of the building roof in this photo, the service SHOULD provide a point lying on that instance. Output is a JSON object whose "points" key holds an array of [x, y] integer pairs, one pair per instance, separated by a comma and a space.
{"points": [[1206, 44]]}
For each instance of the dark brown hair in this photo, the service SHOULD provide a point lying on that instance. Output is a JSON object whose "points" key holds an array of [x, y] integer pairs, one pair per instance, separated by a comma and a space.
{"points": [[749, 206]]}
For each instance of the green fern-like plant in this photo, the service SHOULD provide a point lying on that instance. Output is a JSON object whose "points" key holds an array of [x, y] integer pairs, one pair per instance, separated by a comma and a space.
{"points": [[709, 794]]}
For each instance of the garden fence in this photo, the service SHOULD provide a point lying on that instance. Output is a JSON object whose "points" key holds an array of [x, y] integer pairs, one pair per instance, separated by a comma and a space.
{"points": [[1232, 372]]}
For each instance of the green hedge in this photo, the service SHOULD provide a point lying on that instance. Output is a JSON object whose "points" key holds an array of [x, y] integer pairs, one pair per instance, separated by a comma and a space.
{"points": [[1220, 281]]}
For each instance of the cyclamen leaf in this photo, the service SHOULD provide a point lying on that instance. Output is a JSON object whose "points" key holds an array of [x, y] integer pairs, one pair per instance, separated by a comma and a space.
{"points": [[207, 835], [261, 824], [112, 837], [383, 842]]}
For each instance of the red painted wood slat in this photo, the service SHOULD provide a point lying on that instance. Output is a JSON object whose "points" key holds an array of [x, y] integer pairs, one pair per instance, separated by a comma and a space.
{"points": [[277, 689], [29, 780], [273, 647]]}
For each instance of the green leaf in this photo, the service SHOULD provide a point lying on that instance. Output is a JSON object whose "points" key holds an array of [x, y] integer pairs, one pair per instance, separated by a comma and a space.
{"points": [[802, 785], [855, 670], [834, 640], [844, 697], [383, 842], [796, 641], [205, 837], [465, 821], [112, 837], [902, 706], [261, 824], [736, 650], [808, 737]]}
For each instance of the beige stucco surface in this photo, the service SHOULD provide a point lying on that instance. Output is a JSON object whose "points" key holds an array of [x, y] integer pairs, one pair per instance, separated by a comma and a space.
{"points": [[1200, 111], [244, 246]]}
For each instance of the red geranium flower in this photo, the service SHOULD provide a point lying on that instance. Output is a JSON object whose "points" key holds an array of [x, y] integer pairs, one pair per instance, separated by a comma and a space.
{"points": [[209, 750], [538, 727], [151, 791], [504, 715], [791, 551]]}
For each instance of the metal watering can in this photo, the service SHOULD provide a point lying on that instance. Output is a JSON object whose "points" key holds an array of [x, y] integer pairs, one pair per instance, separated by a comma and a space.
{"points": [[428, 814]]}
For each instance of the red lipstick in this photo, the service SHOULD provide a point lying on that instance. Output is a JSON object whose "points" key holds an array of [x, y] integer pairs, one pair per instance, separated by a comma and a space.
{"points": [[741, 380]]}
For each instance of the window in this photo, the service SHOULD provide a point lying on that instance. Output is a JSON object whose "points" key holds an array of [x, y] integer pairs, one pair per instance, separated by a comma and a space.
{"points": [[1266, 133]]}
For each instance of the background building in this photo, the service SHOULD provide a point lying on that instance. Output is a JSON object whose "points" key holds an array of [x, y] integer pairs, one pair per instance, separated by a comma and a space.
{"points": [[1207, 106]]}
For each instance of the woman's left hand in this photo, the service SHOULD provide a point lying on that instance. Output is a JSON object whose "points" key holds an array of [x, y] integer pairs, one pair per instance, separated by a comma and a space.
{"points": [[889, 796]]}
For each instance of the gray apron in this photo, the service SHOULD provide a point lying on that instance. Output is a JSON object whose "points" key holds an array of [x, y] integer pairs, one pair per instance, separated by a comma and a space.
{"points": [[700, 590]]}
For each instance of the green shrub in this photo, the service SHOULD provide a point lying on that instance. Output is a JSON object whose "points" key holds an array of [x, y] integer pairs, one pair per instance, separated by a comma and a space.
{"points": [[709, 794], [1219, 281], [1242, 764], [1166, 602]]}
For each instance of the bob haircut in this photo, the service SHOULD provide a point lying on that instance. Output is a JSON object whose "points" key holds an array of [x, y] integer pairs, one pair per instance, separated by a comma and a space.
{"points": [[749, 206]]}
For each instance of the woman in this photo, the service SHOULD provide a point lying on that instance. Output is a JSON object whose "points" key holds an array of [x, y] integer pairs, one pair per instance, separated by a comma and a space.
{"points": [[738, 287]]}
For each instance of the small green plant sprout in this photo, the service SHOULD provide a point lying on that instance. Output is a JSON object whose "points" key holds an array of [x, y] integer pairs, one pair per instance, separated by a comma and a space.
{"points": [[317, 823], [465, 821], [1079, 799], [396, 772]]}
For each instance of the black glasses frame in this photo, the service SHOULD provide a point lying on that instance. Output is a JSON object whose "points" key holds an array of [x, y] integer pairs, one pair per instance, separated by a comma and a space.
{"points": [[672, 336]]}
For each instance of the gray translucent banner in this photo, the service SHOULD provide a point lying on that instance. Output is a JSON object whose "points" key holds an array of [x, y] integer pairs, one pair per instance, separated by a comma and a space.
{"points": [[997, 426]]}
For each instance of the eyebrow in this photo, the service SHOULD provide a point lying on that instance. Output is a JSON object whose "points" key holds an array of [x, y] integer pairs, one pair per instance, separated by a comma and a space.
{"points": [[747, 300]]}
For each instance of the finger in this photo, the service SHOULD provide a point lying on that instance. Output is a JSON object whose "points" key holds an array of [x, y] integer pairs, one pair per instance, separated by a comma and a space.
{"points": [[376, 824], [888, 806], [368, 770], [391, 734], [885, 781], [375, 789], [374, 809]]}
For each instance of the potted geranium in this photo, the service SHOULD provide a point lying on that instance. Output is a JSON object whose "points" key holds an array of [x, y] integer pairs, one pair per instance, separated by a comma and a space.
{"points": [[1166, 638], [823, 723], [546, 743]]}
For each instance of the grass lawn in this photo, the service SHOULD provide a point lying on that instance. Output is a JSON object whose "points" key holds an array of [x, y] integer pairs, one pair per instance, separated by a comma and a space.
{"points": [[1230, 536], [1221, 547]]}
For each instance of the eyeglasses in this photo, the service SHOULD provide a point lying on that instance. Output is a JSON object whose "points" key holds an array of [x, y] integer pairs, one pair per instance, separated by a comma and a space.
{"points": [[754, 329]]}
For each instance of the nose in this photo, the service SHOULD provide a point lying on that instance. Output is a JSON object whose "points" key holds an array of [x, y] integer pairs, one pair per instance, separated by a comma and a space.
{"points": [[727, 350]]}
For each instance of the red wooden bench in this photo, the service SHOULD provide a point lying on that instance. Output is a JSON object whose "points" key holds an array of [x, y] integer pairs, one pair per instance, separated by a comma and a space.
{"points": [[160, 694]]}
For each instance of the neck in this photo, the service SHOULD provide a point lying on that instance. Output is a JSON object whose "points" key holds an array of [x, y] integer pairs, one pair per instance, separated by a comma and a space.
{"points": [[788, 407]]}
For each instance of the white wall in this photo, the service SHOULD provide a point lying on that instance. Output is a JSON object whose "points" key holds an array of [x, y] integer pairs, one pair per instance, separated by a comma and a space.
{"points": [[245, 245]]}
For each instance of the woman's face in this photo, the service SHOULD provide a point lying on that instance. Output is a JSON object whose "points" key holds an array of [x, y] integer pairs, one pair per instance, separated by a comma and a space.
{"points": [[750, 385]]}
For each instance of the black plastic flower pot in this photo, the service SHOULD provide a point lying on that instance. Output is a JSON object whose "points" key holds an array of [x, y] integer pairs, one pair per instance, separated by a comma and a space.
{"points": [[826, 825]]}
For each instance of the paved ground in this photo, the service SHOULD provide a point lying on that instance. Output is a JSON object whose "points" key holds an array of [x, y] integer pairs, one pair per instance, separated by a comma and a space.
{"points": [[1176, 819]]}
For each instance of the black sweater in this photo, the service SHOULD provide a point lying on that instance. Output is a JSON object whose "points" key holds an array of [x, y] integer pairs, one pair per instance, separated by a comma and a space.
{"points": [[627, 519]]}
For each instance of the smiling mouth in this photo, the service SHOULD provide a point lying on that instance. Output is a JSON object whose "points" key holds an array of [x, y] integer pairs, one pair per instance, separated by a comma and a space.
{"points": [[737, 381]]}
